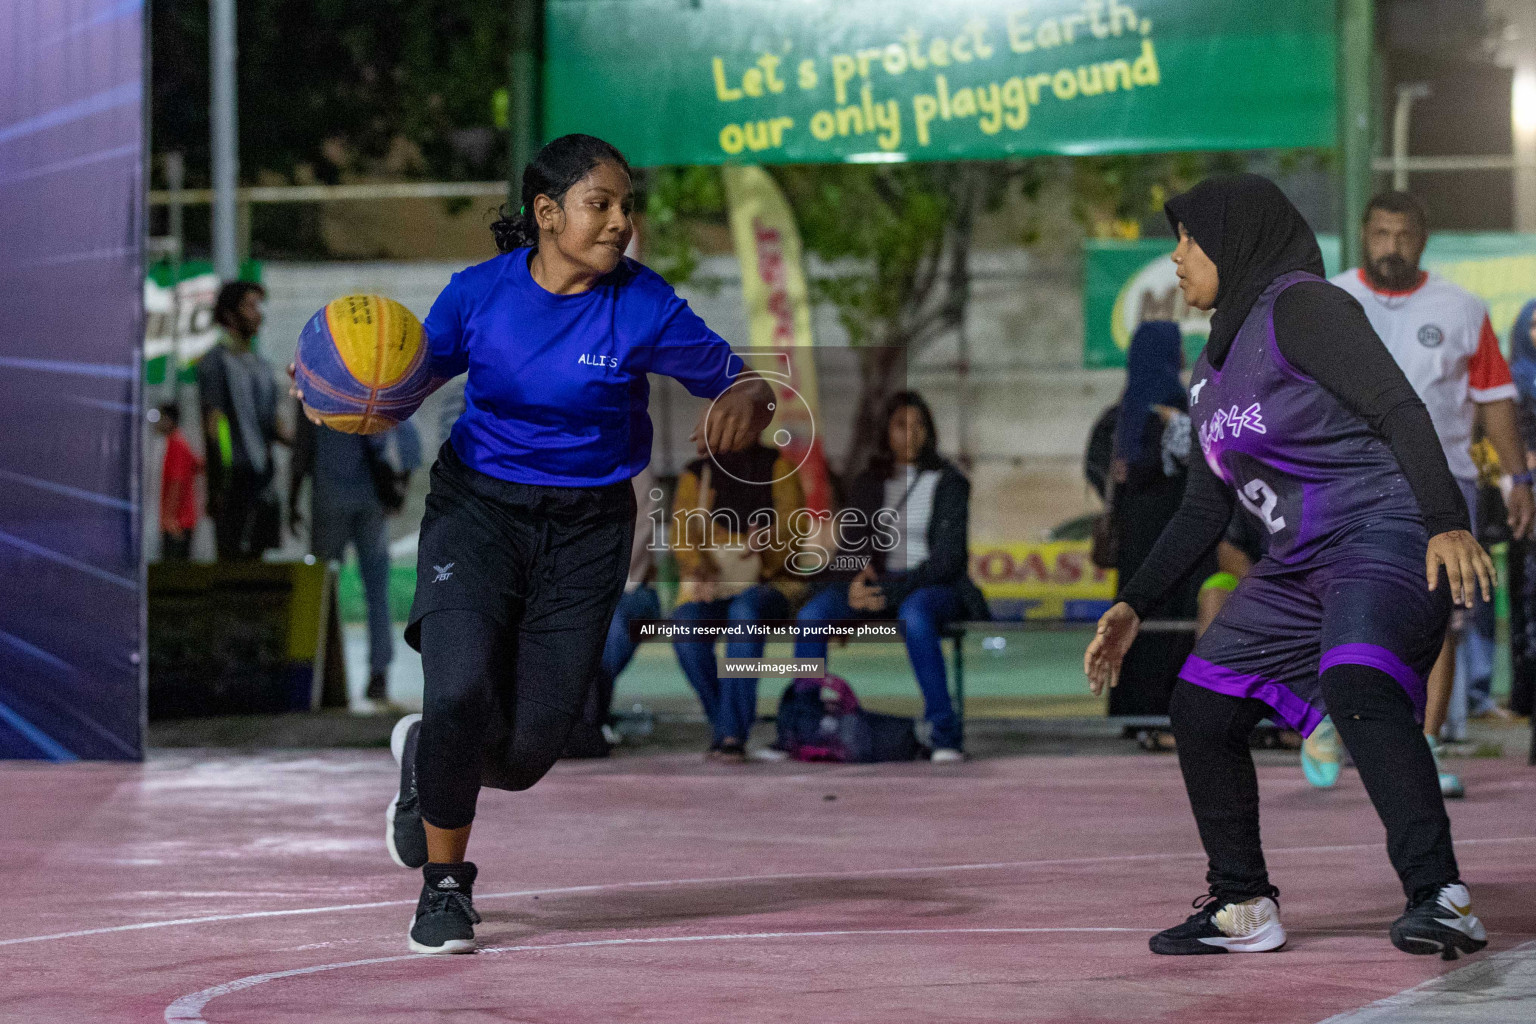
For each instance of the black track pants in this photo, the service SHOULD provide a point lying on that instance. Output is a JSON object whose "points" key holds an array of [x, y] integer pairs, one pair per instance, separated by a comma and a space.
{"points": [[1376, 721], [516, 585]]}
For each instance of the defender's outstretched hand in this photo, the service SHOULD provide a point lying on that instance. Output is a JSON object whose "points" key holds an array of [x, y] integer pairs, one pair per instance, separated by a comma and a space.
{"points": [[1117, 630], [1467, 566]]}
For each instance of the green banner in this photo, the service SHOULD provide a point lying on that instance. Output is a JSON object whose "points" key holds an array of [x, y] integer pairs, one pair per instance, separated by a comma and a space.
{"points": [[817, 81], [1126, 283], [178, 316]]}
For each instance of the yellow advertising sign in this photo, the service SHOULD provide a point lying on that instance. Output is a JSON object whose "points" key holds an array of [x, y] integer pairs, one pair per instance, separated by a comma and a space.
{"points": [[1042, 579]]}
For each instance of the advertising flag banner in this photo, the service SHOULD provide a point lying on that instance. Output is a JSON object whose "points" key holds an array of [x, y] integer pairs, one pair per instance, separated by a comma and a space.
{"points": [[778, 306]]}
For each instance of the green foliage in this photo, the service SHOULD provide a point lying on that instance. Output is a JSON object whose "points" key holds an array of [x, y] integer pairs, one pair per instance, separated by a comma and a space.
{"points": [[880, 232], [678, 200], [1121, 195], [331, 86], [881, 229]]}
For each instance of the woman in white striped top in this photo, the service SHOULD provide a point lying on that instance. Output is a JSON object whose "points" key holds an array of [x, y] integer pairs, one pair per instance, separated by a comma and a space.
{"points": [[903, 538]]}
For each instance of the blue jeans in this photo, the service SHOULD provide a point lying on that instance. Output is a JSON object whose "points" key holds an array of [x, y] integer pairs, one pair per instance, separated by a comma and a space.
{"points": [[1471, 691], [343, 516], [922, 614], [730, 704], [618, 649]]}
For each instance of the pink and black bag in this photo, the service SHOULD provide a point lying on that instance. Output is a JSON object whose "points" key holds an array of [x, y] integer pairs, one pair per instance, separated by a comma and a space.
{"points": [[821, 720]]}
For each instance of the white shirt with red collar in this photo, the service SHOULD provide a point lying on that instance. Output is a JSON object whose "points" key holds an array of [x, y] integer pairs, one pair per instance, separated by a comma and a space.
{"points": [[1440, 335]]}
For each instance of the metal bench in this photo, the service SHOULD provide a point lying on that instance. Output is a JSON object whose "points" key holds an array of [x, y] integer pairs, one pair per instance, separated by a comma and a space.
{"points": [[957, 631]]}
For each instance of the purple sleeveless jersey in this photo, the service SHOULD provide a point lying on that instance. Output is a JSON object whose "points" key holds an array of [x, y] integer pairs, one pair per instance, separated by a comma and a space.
{"points": [[1310, 470], [1343, 582]]}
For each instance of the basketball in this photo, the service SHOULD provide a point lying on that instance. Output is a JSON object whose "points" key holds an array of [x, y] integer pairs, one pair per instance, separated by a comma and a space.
{"points": [[362, 364]]}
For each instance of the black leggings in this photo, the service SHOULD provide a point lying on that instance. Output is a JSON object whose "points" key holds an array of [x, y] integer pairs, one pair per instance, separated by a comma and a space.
{"points": [[1376, 722], [515, 587], [493, 715]]}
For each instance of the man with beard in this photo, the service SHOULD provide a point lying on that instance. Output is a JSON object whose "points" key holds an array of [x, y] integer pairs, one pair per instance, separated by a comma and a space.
{"points": [[1440, 335]]}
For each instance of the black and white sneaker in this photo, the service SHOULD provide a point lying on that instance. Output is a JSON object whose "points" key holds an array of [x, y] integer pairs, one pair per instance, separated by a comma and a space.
{"points": [[1224, 925], [1439, 920], [404, 833], [445, 915]]}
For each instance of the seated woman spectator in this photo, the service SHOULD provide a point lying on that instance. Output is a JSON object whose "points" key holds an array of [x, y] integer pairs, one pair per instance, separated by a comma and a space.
{"points": [[917, 552], [732, 547]]}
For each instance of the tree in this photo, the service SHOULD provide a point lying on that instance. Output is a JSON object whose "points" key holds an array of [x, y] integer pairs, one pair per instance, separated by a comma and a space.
{"points": [[895, 239], [328, 87]]}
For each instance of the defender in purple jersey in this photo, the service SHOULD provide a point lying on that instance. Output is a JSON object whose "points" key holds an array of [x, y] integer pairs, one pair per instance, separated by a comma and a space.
{"points": [[1305, 421]]}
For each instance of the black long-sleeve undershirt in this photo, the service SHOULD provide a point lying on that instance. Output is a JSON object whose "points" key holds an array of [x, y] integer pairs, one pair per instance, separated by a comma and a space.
{"points": [[1322, 332]]}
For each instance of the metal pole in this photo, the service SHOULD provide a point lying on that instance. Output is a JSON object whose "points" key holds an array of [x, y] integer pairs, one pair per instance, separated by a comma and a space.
{"points": [[1523, 121], [1406, 94], [223, 117], [1357, 37], [175, 180], [523, 128]]}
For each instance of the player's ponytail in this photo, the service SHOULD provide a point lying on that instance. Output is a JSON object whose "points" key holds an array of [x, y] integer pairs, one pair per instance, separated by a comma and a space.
{"points": [[559, 165]]}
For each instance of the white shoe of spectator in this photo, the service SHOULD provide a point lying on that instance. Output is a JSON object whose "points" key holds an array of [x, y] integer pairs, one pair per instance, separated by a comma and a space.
{"points": [[946, 755], [768, 754]]}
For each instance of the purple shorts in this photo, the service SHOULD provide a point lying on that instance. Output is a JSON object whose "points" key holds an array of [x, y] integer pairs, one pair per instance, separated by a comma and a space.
{"points": [[1283, 625]]}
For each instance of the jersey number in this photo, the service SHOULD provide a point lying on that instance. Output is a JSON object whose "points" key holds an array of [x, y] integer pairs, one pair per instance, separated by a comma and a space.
{"points": [[1260, 499]]}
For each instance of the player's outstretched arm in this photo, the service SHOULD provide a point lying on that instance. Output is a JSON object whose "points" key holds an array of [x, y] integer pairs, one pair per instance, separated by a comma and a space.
{"points": [[1200, 521]]}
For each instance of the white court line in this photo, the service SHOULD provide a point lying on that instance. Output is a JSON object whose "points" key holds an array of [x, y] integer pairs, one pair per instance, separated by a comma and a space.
{"points": [[1488, 990], [1470, 983], [189, 1008], [664, 882]]}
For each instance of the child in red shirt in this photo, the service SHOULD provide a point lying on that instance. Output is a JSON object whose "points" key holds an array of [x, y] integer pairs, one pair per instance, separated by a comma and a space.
{"points": [[178, 497]]}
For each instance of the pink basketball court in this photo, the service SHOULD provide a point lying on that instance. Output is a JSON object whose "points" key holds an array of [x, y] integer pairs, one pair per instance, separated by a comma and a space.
{"points": [[227, 889]]}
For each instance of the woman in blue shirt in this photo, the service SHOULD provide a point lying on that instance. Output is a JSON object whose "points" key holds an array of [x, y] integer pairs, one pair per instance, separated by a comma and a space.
{"points": [[526, 538]]}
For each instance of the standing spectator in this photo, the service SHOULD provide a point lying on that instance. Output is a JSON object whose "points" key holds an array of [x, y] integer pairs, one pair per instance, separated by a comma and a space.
{"points": [[359, 480], [911, 525], [239, 397], [1150, 466], [178, 487], [1472, 694], [728, 515], [592, 736], [1440, 335]]}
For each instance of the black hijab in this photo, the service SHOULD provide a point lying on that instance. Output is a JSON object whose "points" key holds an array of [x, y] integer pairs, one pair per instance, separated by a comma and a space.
{"points": [[1253, 234]]}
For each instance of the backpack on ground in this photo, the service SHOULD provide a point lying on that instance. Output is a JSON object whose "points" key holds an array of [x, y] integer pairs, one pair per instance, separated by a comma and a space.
{"points": [[821, 720]]}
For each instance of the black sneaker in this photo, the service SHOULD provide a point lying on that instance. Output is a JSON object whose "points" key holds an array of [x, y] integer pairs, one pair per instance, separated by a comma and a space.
{"points": [[1439, 920], [728, 751], [1223, 924], [378, 688], [445, 915], [404, 833]]}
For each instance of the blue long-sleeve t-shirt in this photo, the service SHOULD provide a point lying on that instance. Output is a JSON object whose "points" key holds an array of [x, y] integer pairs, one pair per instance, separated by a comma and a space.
{"points": [[557, 392]]}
